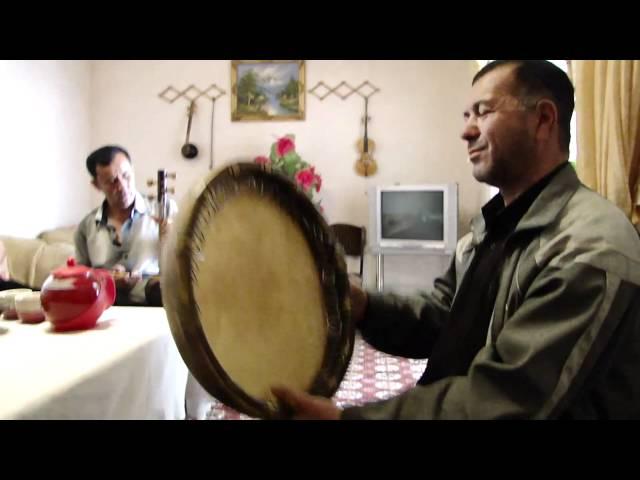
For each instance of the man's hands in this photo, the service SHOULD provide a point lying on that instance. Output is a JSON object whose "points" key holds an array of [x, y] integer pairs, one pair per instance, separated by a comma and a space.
{"points": [[309, 407], [305, 406], [124, 280]]}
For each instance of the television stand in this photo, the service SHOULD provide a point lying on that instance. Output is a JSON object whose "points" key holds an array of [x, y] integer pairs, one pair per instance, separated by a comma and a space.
{"points": [[381, 252]]}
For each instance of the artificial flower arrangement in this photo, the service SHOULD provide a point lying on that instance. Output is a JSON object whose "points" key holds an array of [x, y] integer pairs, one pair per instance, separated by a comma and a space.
{"points": [[284, 159]]}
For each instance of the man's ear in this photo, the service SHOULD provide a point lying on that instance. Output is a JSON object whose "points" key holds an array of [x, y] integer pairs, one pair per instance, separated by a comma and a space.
{"points": [[94, 182], [547, 119]]}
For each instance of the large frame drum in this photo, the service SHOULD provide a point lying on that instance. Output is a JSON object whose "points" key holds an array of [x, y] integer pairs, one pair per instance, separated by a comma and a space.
{"points": [[256, 290]]}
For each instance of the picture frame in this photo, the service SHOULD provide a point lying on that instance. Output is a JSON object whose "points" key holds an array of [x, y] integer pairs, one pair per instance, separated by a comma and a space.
{"points": [[267, 90]]}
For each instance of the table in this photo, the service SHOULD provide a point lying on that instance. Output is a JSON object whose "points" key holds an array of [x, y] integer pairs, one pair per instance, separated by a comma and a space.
{"points": [[127, 367]]}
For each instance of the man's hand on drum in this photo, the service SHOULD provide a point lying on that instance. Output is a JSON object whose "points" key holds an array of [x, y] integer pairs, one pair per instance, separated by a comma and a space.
{"points": [[309, 407], [305, 406]]}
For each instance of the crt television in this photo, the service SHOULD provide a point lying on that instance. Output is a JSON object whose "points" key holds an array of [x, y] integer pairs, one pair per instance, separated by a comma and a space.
{"points": [[415, 216]]}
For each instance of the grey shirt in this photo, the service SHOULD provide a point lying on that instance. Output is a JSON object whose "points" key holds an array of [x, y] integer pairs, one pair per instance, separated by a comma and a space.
{"points": [[138, 249]]}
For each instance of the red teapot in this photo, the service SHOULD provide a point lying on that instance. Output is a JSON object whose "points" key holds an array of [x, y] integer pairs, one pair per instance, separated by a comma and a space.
{"points": [[74, 297]]}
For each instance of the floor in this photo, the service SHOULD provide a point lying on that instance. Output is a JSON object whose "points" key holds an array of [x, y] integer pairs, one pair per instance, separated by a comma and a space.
{"points": [[372, 375]]}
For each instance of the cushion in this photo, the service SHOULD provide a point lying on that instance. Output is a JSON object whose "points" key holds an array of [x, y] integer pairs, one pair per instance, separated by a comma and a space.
{"points": [[58, 235], [48, 258], [20, 254]]}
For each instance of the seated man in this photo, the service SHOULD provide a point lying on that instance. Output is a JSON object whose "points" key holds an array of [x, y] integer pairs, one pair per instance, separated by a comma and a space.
{"points": [[120, 235]]}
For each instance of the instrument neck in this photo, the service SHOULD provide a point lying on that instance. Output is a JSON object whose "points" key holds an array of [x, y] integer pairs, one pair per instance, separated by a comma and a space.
{"points": [[162, 193], [191, 109], [366, 118]]}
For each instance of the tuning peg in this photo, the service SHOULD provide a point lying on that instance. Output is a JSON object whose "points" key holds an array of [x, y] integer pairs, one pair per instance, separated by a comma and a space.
{"points": [[151, 197], [150, 183], [171, 190], [171, 175]]}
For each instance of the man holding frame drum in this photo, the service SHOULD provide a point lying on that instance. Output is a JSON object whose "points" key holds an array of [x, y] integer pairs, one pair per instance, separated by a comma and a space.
{"points": [[538, 314]]}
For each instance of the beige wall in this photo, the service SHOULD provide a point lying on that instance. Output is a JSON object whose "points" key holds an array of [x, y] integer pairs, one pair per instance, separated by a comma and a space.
{"points": [[416, 120], [44, 133]]}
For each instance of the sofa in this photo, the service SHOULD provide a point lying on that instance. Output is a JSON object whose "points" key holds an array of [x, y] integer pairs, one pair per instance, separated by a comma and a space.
{"points": [[31, 260]]}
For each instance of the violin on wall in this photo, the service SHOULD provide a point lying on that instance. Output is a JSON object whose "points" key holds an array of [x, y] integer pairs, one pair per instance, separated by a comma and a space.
{"points": [[366, 165]]}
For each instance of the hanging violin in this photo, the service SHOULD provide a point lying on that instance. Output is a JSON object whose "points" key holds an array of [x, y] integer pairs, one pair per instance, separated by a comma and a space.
{"points": [[366, 165]]}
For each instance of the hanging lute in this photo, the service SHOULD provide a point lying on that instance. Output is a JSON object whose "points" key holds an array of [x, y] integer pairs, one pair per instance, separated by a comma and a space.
{"points": [[189, 150]]}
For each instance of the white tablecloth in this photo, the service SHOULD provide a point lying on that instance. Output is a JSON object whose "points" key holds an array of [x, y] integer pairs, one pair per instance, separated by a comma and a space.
{"points": [[128, 367]]}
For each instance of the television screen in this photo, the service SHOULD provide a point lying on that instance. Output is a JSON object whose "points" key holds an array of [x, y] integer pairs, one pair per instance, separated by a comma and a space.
{"points": [[412, 215]]}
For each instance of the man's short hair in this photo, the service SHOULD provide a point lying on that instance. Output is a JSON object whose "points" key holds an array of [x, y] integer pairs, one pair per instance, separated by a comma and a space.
{"points": [[104, 156], [541, 78]]}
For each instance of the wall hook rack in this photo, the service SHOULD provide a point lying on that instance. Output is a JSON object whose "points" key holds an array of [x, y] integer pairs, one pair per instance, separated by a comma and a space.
{"points": [[343, 90], [191, 93]]}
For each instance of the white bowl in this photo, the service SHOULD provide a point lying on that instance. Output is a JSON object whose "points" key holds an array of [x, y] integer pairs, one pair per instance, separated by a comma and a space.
{"points": [[29, 308], [7, 302]]}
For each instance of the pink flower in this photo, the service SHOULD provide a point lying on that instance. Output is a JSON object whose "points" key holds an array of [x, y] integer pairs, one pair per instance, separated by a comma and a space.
{"points": [[305, 178], [285, 145], [293, 167]]}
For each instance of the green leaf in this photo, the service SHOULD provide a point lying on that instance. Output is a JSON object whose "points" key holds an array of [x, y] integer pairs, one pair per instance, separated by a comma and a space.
{"points": [[290, 167], [292, 156], [274, 153]]}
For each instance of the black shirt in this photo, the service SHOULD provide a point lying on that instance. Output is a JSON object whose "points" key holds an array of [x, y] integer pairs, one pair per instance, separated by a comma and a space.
{"points": [[465, 333]]}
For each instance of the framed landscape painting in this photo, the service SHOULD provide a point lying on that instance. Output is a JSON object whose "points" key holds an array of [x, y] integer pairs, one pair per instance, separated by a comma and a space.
{"points": [[267, 90]]}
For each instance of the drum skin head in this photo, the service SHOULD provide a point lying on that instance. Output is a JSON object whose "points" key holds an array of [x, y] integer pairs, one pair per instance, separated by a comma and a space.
{"points": [[256, 290]]}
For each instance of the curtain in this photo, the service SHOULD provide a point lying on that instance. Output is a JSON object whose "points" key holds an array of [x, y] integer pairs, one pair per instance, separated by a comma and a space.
{"points": [[608, 125]]}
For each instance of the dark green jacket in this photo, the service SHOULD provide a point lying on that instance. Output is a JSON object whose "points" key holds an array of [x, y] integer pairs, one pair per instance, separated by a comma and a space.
{"points": [[564, 338]]}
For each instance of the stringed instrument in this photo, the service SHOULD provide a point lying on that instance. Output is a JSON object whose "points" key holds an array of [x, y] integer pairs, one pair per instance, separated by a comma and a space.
{"points": [[161, 208], [189, 150], [366, 165]]}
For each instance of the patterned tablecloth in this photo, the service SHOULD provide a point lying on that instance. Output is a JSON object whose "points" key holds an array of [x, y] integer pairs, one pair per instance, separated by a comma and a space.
{"points": [[372, 376]]}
